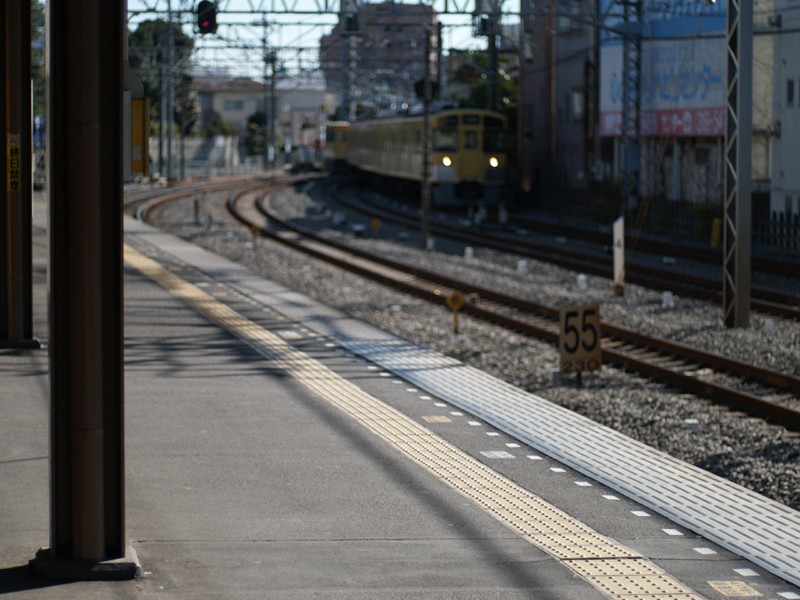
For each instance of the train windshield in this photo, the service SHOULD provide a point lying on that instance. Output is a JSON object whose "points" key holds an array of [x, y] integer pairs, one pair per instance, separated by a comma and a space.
{"points": [[495, 140], [445, 139]]}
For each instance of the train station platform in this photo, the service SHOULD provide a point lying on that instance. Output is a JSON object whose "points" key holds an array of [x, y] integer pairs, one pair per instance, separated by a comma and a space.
{"points": [[276, 448]]}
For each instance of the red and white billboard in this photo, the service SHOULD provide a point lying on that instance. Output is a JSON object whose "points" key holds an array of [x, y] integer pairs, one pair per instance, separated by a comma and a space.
{"points": [[683, 77]]}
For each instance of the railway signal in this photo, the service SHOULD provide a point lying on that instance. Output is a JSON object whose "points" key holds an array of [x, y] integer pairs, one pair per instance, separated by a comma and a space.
{"points": [[207, 17]]}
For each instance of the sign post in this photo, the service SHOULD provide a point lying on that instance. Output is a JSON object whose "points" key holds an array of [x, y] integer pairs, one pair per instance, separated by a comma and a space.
{"points": [[579, 340], [456, 302], [619, 256]]}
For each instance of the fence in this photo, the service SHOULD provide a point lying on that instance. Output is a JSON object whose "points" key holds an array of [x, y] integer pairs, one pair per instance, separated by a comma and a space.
{"points": [[780, 232]]}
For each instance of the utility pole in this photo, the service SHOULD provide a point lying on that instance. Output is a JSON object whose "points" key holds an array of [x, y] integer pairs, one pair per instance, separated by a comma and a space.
{"points": [[425, 199], [440, 78], [266, 97], [349, 27], [162, 116], [631, 31], [170, 87], [491, 103], [737, 237], [486, 22], [273, 116]]}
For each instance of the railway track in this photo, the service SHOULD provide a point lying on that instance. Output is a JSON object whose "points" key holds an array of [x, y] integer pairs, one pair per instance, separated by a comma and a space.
{"points": [[756, 391], [769, 302]]}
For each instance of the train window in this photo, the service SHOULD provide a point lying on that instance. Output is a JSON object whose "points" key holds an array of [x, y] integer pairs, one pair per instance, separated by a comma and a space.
{"points": [[447, 122], [470, 140], [445, 139], [471, 120], [495, 140]]}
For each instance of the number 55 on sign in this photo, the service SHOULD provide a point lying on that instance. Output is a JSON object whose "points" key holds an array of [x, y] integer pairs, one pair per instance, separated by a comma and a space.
{"points": [[579, 338]]}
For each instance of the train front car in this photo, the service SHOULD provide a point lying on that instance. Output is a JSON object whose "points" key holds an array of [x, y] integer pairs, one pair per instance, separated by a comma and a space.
{"points": [[335, 155], [468, 157]]}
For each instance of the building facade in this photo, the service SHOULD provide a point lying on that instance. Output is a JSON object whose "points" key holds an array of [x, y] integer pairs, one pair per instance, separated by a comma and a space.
{"points": [[569, 132], [301, 105], [378, 61]]}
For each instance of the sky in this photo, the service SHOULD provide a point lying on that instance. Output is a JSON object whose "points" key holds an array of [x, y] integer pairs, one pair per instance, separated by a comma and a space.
{"points": [[293, 28]]}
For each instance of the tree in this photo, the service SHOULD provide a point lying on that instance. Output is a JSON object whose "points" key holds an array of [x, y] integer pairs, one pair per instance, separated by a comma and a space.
{"points": [[255, 133], [148, 57], [470, 82], [186, 111], [37, 57]]}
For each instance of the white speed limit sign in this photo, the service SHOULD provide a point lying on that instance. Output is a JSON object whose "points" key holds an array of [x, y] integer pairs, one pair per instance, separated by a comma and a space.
{"points": [[579, 338]]}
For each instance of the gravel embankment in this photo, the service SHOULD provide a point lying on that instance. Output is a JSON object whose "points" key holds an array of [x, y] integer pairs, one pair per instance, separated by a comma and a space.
{"points": [[760, 457]]}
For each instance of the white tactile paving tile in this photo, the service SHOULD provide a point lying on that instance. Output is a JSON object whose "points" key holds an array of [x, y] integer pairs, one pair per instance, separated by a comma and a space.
{"points": [[759, 529]]}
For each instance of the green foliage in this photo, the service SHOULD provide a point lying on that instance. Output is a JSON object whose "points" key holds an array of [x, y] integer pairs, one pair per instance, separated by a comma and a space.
{"points": [[215, 125], [470, 82], [254, 140], [148, 57]]}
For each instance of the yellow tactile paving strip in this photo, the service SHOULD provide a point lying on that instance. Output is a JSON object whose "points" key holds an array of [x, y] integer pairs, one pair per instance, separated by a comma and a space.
{"points": [[610, 567]]}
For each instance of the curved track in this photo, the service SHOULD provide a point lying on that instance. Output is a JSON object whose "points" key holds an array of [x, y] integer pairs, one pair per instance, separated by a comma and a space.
{"points": [[759, 392]]}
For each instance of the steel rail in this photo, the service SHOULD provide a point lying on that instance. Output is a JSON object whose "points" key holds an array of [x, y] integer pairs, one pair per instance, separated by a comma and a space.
{"points": [[670, 362], [764, 301], [143, 203]]}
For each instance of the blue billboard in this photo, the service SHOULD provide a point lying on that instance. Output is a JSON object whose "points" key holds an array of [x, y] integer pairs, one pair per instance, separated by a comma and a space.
{"points": [[683, 78]]}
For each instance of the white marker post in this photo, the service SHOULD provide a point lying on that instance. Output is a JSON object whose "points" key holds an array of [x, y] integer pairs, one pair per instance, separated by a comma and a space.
{"points": [[619, 256]]}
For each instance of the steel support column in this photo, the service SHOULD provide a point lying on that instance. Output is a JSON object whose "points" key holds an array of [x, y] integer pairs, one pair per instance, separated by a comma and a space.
{"points": [[631, 105], [738, 166], [85, 181], [16, 287]]}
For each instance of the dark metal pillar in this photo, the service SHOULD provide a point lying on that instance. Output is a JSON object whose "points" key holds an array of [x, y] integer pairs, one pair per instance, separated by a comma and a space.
{"points": [[738, 166], [16, 288], [84, 131]]}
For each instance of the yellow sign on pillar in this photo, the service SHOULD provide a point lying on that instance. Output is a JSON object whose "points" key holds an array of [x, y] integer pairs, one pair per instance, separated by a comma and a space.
{"points": [[13, 162], [140, 123]]}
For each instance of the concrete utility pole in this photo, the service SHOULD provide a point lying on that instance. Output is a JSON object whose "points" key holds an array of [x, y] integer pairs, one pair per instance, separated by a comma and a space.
{"points": [[170, 88], [425, 199], [737, 237], [85, 183], [494, 25], [273, 113], [16, 187], [266, 97]]}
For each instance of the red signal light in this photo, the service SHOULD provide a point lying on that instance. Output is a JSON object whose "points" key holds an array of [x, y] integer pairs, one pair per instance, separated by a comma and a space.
{"points": [[207, 17]]}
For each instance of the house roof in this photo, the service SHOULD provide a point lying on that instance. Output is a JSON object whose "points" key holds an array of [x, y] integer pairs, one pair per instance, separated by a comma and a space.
{"points": [[236, 84]]}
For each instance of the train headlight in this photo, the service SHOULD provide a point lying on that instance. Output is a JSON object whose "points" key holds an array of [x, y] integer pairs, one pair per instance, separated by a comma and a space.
{"points": [[446, 161], [493, 162]]}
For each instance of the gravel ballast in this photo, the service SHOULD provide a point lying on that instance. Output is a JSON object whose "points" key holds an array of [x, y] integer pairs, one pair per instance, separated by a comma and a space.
{"points": [[763, 458]]}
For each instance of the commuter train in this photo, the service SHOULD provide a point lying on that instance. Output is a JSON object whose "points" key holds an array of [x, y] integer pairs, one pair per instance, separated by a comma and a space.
{"points": [[468, 156], [335, 154]]}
